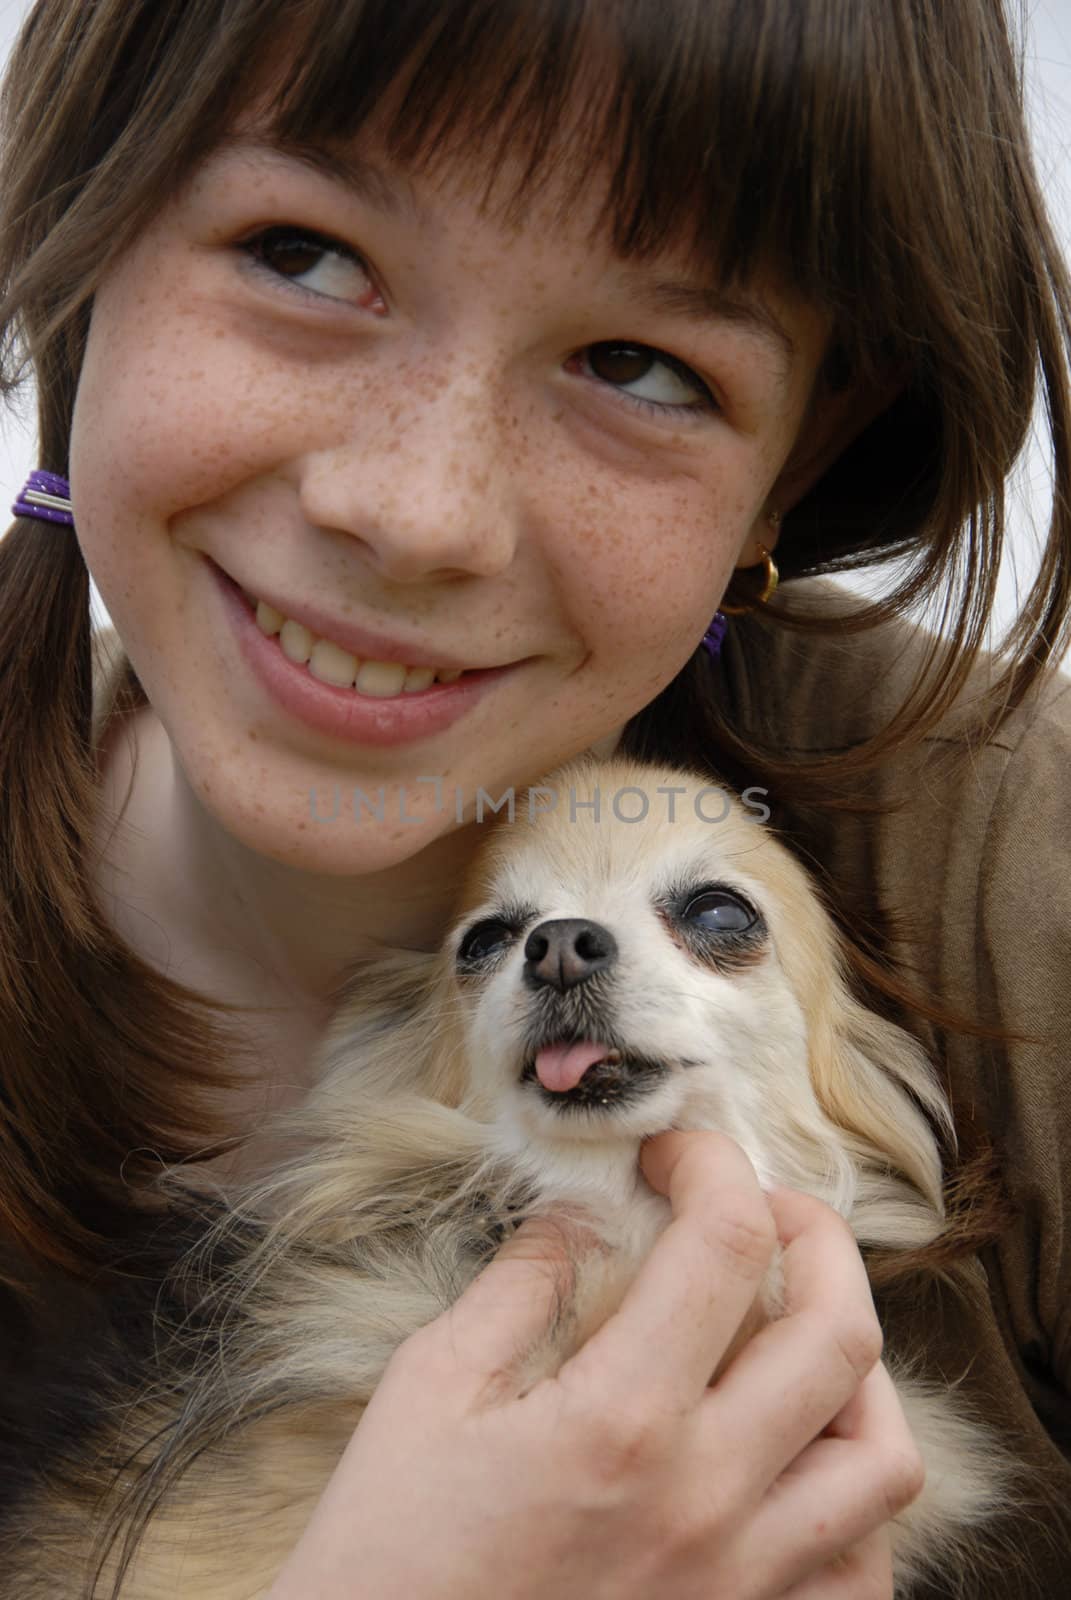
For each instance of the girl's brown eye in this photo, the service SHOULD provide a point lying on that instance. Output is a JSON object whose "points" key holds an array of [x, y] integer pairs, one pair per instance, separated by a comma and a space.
{"points": [[333, 271], [291, 253], [620, 363], [650, 377]]}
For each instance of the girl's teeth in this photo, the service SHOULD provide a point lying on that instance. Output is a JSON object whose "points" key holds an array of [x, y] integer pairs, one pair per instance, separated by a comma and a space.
{"points": [[381, 678], [331, 664], [418, 678], [297, 642], [269, 619]]}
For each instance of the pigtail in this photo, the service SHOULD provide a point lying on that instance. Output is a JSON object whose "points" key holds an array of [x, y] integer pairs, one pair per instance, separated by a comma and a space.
{"points": [[101, 1060], [107, 1069]]}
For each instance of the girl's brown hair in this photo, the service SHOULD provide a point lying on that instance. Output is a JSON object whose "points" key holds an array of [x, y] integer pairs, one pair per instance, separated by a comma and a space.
{"points": [[871, 155]]}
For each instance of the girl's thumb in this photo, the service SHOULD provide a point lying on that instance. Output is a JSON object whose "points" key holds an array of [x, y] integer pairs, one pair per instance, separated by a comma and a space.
{"points": [[516, 1300]]}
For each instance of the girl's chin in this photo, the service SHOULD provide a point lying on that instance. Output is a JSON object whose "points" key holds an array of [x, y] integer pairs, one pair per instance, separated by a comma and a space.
{"points": [[341, 843]]}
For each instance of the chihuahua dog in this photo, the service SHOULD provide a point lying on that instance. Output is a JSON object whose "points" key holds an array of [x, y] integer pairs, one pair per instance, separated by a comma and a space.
{"points": [[639, 955]]}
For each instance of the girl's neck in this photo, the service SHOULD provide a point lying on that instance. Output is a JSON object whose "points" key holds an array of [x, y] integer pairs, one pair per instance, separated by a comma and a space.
{"points": [[194, 903]]}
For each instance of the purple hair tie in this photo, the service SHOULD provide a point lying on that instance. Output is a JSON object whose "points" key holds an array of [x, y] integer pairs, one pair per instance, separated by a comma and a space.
{"points": [[47, 497], [712, 639]]}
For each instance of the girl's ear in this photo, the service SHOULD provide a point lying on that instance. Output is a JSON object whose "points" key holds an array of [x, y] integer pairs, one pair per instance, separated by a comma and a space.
{"points": [[837, 415]]}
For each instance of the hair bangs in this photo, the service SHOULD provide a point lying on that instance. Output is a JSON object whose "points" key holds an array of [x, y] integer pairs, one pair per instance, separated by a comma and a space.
{"points": [[721, 131]]}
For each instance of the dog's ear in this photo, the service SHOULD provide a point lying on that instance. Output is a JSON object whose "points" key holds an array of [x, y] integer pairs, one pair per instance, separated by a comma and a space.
{"points": [[873, 1080]]}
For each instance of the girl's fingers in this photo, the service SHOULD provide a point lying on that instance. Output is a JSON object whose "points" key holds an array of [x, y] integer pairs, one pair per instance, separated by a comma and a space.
{"points": [[473, 1352], [820, 1254], [862, 1573], [799, 1373], [695, 1288], [844, 1486]]}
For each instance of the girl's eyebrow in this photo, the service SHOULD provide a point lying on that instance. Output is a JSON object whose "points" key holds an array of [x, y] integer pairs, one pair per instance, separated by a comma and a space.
{"points": [[701, 303], [389, 194], [394, 195]]}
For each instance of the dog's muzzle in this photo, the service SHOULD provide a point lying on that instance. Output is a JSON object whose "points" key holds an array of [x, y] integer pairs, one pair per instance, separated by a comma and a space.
{"points": [[574, 1057]]}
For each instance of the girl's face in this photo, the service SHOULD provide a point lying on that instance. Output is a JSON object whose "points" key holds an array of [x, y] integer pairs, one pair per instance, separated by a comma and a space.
{"points": [[438, 438]]}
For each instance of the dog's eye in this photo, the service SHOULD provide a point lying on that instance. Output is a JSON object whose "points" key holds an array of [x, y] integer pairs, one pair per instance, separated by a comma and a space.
{"points": [[484, 939], [719, 911]]}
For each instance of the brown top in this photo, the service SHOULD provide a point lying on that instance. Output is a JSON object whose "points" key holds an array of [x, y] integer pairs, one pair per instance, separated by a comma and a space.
{"points": [[977, 863]]}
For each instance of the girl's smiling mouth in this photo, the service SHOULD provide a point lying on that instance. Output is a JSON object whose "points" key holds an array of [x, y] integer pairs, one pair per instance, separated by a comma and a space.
{"points": [[387, 702], [365, 644], [330, 663]]}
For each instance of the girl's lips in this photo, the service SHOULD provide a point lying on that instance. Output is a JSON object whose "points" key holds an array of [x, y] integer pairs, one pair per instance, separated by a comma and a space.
{"points": [[343, 713]]}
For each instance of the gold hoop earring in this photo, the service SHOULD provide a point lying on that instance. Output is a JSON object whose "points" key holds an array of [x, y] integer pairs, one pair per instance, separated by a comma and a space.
{"points": [[770, 576], [770, 579]]}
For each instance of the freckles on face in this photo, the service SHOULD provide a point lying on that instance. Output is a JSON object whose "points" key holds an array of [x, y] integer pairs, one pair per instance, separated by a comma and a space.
{"points": [[146, 433], [639, 565]]}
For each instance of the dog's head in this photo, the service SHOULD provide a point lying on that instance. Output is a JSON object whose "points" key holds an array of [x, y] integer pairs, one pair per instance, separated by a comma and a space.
{"points": [[638, 952]]}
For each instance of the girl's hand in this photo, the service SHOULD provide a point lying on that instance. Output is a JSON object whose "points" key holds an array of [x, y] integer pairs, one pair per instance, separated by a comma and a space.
{"points": [[626, 1476]]}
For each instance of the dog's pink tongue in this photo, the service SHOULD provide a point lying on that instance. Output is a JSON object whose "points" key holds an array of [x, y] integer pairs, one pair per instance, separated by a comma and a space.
{"points": [[561, 1066]]}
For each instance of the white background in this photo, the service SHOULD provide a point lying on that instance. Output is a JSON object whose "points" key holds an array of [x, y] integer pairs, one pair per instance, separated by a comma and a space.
{"points": [[1049, 90]]}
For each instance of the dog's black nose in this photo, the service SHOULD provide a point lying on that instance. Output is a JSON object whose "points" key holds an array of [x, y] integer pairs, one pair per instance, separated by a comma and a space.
{"points": [[567, 952]]}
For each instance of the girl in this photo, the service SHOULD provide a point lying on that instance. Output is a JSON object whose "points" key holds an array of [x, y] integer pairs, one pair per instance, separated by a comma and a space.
{"points": [[424, 377]]}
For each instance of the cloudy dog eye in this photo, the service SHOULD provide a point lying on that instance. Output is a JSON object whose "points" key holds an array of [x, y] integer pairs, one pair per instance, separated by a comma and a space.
{"points": [[720, 911], [483, 939]]}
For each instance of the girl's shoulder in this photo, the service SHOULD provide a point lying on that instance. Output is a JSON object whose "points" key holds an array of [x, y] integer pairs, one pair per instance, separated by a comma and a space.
{"points": [[964, 841], [947, 814], [964, 864], [829, 692]]}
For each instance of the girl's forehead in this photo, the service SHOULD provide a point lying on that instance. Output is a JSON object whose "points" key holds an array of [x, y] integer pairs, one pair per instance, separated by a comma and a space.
{"points": [[571, 192], [572, 173]]}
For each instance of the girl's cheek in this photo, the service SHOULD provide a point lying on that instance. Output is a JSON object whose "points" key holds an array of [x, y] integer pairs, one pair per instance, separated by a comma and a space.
{"points": [[644, 563], [172, 430], [170, 409]]}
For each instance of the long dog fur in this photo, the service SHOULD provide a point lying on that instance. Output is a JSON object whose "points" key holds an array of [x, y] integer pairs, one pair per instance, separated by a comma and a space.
{"points": [[429, 1137]]}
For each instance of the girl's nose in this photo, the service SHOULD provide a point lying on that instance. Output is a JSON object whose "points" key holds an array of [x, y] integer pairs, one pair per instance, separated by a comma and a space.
{"points": [[429, 489]]}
